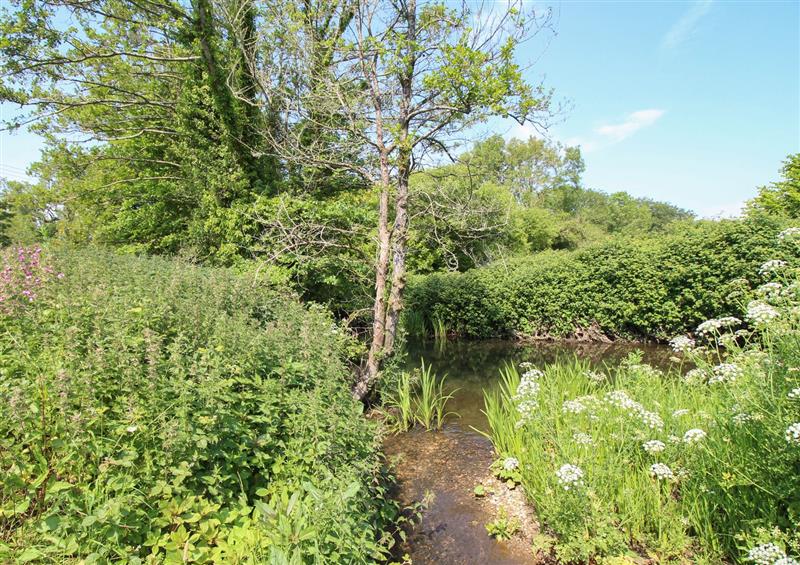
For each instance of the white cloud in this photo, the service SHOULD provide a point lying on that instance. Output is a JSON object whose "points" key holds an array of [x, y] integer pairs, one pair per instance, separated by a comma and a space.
{"points": [[633, 123], [685, 26]]}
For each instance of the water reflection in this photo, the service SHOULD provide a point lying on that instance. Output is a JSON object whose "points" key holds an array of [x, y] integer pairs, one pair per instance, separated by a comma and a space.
{"points": [[474, 366]]}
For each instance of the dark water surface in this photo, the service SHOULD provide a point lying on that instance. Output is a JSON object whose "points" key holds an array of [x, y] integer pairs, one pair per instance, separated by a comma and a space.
{"points": [[451, 462]]}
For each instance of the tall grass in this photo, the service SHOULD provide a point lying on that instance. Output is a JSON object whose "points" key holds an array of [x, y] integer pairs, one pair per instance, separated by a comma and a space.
{"points": [[417, 398]]}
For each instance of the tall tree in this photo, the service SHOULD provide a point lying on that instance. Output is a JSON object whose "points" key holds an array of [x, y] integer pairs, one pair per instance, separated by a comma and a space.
{"points": [[781, 197], [403, 82]]}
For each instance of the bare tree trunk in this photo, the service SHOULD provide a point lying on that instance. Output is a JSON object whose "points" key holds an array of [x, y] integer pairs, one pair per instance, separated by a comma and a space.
{"points": [[399, 251], [375, 354]]}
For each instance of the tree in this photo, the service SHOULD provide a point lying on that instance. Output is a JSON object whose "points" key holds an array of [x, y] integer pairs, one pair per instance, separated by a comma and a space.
{"points": [[402, 83], [781, 197], [154, 135]]}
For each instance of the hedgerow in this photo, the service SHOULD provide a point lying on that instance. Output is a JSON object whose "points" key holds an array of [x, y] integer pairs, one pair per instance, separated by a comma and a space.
{"points": [[157, 412], [624, 287]]}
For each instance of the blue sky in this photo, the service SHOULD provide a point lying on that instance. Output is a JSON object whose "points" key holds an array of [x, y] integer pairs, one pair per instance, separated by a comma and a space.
{"points": [[696, 103]]}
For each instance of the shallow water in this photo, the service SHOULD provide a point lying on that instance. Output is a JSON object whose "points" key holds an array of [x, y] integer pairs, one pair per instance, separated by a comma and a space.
{"points": [[450, 463]]}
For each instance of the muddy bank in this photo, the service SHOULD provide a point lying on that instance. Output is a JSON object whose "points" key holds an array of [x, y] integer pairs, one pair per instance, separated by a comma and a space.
{"points": [[450, 464]]}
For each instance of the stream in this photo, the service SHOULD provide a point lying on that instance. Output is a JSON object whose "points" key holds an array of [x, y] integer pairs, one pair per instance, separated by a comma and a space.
{"points": [[451, 462]]}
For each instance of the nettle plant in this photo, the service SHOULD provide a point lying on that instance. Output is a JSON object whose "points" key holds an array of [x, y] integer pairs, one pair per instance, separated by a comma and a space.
{"points": [[700, 464], [23, 275]]}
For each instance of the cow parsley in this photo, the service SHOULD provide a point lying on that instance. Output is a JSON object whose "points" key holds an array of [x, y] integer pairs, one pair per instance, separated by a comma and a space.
{"points": [[570, 476]]}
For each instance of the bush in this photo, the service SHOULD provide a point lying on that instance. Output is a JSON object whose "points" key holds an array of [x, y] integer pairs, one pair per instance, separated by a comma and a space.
{"points": [[702, 466], [153, 411], [633, 288]]}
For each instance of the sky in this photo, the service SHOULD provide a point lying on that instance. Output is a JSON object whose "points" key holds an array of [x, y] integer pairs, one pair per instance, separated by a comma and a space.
{"points": [[695, 103]]}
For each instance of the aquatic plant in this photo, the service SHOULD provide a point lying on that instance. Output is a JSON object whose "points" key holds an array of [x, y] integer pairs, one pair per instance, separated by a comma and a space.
{"points": [[416, 398]]}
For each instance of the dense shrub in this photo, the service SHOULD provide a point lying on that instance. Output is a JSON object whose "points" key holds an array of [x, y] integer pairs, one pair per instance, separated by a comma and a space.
{"points": [[154, 412], [651, 287], [699, 467]]}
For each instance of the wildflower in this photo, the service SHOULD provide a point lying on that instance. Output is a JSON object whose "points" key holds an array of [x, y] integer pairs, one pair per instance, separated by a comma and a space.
{"points": [[681, 343], [570, 476], [661, 472], [786, 561], [694, 435], [525, 365], [789, 234], [595, 376], [741, 418], [578, 405], [582, 439], [771, 266], [793, 433], [680, 412], [654, 446], [765, 554], [651, 420], [760, 313], [532, 375], [794, 394], [769, 289], [526, 409], [728, 341], [620, 399], [673, 439], [131, 429], [510, 463], [527, 388], [717, 323], [725, 372], [695, 376]]}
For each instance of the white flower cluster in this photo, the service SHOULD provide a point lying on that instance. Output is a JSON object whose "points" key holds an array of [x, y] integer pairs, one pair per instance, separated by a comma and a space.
{"points": [[582, 439], [761, 313], [578, 405], [654, 446], [695, 376], [770, 289], [510, 463], [769, 554], [620, 399], [741, 418], [661, 472], [794, 394], [725, 373], [694, 435], [680, 412], [570, 476], [771, 266], [789, 234], [793, 433], [595, 376], [681, 343], [717, 323], [527, 394]]}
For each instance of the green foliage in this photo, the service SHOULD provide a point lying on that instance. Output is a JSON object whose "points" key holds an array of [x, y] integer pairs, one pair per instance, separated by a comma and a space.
{"points": [[699, 466], [154, 412], [502, 527], [781, 197], [417, 398], [630, 287]]}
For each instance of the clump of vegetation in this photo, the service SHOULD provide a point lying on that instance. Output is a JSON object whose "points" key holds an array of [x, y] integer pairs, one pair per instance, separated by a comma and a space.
{"points": [[154, 411], [417, 398], [700, 466], [502, 527]]}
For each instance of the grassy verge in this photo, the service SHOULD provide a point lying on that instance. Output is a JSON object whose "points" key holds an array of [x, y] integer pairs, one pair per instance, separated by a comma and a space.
{"points": [[701, 467]]}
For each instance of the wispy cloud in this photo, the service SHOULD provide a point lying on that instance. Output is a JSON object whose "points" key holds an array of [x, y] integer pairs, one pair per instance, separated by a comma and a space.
{"points": [[685, 26], [633, 123]]}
